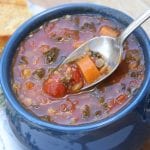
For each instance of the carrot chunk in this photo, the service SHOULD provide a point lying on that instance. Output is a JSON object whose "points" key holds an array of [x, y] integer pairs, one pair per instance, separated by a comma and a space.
{"points": [[108, 31], [88, 69]]}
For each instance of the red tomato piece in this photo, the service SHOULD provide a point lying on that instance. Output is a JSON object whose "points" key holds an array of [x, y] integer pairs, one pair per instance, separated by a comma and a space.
{"points": [[77, 80], [76, 76], [54, 88]]}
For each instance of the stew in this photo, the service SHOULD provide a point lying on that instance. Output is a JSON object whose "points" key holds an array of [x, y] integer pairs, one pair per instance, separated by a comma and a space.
{"points": [[52, 93]]}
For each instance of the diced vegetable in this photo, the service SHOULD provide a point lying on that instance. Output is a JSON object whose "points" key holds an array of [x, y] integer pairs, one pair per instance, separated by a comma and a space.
{"points": [[133, 55], [88, 27], [65, 73], [88, 68], [98, 113], [56, 37], [77, 87], [121, 98], [29, 85], [51, 111], [105, 105], [63, 107], [86, 112], [68, 76], [26, 73], [27, 101], [54, 88], [15, 87], [68, 106], [101, 100], [44, 48], [76, 75], [39, 73], [51, 55], [64, 35], [70, 34], [23, 60], [133, 65], [112, 103], [60, 39], [109, 31]]}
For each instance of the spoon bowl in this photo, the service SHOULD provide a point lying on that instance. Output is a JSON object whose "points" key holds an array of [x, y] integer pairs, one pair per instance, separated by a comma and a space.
{"points": [[104, 45]]}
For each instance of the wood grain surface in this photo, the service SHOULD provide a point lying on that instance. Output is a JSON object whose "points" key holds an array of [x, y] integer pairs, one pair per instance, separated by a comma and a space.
{"points": [[131, 7]]}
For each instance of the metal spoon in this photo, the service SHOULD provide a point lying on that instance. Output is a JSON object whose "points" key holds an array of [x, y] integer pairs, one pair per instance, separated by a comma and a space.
{"points": [[110, 48]]}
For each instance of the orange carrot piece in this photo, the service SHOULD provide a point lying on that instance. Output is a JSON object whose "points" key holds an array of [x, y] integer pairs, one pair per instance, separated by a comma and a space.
{"points": [[88, 69], [108, 31]]}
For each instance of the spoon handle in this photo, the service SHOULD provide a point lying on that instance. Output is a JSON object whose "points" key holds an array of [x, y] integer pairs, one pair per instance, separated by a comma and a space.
{"points": [[136, 23]]}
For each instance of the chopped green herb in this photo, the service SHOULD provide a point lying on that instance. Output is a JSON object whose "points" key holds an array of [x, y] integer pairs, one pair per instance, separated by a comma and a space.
{"points": [[39, 73], [23, 60], [105, 105], [86, 112], [101, 100], [51, 55], [98, 113], [89, 27]]}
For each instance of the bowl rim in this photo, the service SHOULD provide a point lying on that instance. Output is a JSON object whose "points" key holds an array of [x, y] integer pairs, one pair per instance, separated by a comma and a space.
{"points": [[68, 128]]}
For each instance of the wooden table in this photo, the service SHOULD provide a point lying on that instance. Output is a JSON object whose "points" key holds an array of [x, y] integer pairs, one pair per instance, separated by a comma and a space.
{"points": [[131, 7]]}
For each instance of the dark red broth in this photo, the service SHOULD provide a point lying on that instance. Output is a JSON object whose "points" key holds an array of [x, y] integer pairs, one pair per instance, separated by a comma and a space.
{"points": [[45, 48]]}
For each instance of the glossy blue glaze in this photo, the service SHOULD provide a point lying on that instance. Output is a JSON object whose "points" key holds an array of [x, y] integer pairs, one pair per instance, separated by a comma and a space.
{"points": [[126, 129]]}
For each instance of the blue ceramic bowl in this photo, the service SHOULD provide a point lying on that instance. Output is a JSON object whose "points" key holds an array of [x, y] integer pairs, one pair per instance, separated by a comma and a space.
{"points": [[126, 129]]}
